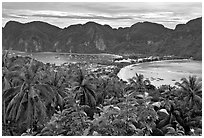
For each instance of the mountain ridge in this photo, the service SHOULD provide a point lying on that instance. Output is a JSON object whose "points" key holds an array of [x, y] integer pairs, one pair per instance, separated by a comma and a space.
{"points": [[140, 38]]}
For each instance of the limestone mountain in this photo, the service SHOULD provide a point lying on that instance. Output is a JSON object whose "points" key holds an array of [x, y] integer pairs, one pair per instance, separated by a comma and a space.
{"points": [[185, 40], [141, 38], [30, 37]]}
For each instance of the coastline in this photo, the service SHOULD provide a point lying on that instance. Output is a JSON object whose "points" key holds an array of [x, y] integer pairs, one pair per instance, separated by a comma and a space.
{"points": [[164, 72]]}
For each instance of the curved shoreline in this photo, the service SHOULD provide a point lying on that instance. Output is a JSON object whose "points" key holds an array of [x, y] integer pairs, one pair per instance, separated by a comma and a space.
{"points": [[162, 72]]}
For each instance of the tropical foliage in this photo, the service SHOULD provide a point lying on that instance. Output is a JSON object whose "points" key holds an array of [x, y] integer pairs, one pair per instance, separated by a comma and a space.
{"points": [[72, 100]]}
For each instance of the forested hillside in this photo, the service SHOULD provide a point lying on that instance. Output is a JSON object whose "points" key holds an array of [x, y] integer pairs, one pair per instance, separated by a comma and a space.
{"points": [[141, 38]]}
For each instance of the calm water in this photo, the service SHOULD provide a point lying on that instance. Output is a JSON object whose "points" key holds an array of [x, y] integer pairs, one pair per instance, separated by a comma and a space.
{"points": [[159, 72], [163, 72], [60, 58]]}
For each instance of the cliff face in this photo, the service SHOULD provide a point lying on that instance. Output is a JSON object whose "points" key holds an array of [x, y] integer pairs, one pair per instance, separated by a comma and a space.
{"points": [[141, 38], [185, 40], [34, 36]]}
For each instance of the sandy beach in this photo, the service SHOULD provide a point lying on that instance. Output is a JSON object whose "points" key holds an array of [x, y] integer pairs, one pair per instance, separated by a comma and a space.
{"points": [[163, 72]]}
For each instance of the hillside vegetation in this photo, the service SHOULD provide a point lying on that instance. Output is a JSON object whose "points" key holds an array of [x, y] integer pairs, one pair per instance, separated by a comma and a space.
{"points": [[141, 38], [76, 100]]}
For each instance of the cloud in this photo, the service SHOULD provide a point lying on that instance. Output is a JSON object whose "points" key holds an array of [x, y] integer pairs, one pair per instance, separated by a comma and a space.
{"points": [[4, 15], [83, 17], [114, 14], [60, 14]]}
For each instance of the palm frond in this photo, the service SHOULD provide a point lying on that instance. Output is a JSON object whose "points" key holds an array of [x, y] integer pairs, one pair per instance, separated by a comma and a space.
{"points": [[40, 110], [91, 100], [10, 108], [16, 102], [9, 111], [198, 99], [60, 100], [21, 107], [10, 93], [29, 112], [45, 92]]}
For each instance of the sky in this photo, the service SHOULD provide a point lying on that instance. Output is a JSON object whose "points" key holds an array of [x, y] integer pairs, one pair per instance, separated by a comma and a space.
{"points": [[115, 14]]}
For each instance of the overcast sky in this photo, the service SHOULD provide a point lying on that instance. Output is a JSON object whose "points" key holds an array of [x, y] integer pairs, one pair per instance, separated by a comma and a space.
{"points": [[116, 15]]}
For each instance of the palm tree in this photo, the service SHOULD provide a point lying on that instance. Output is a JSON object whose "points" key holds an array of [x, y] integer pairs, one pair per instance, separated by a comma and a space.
{"points": [[15, 67], [138, 84], [191, 97], [8, 72], [55, 78], [84, 91], [191, 91], [30, 102]]}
